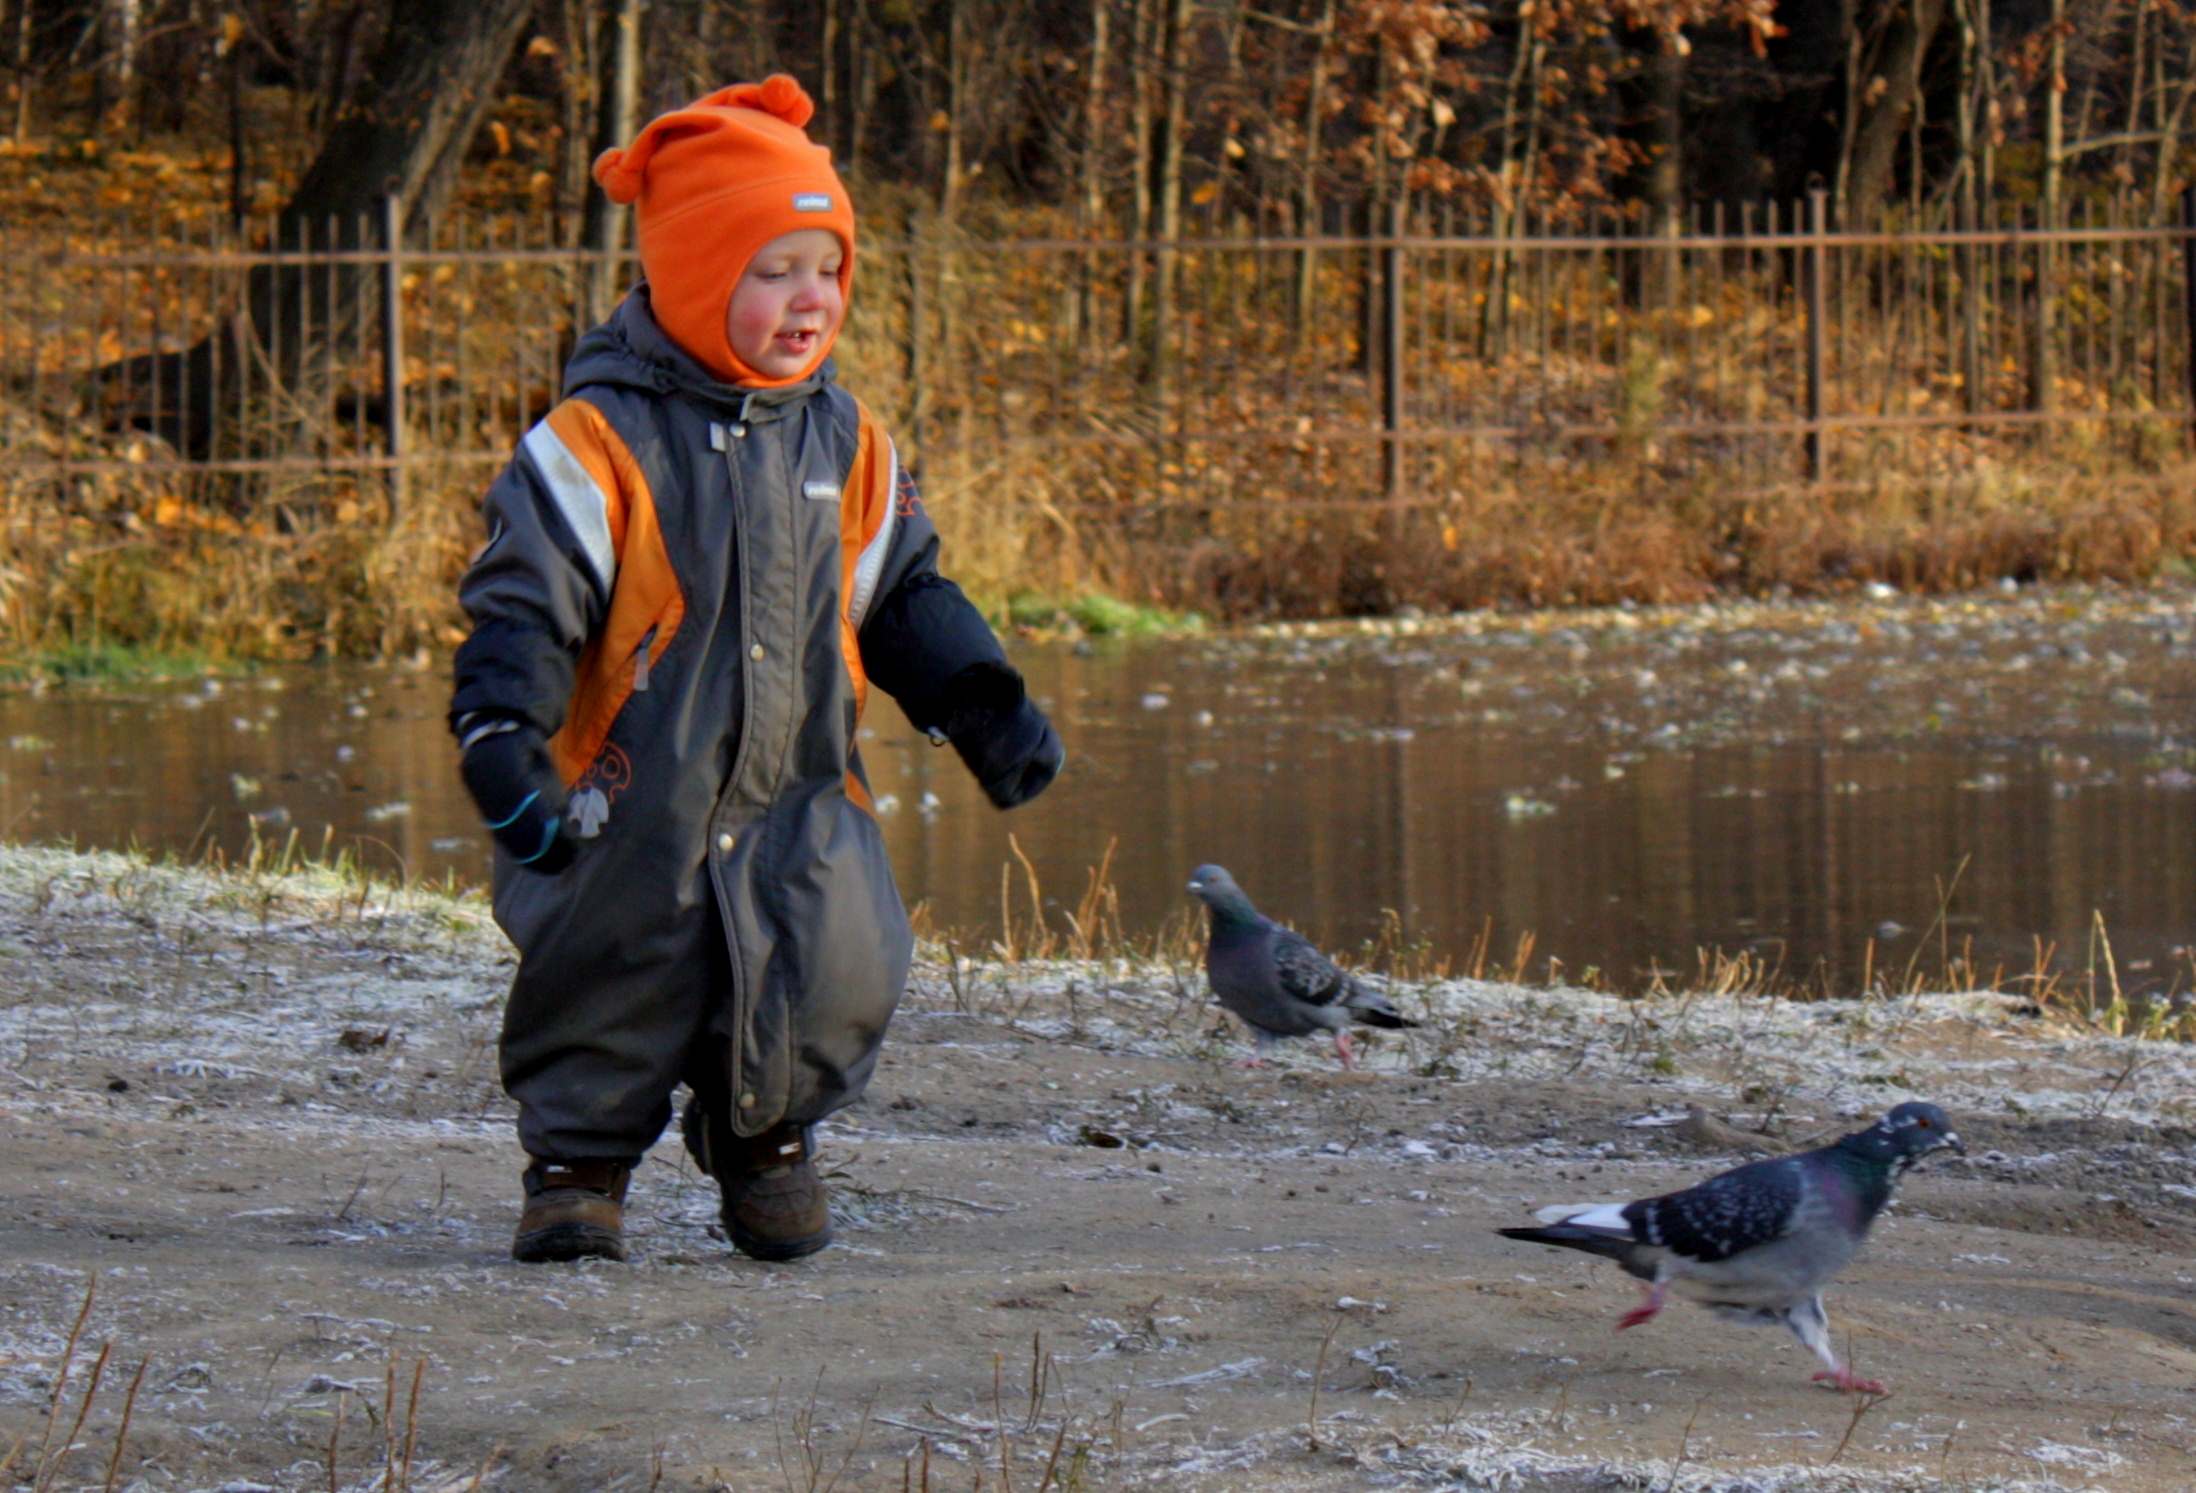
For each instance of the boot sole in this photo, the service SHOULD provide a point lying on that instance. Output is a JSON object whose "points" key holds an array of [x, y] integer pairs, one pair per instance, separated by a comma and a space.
{"points": [[776, 1250], [561, 1242]]}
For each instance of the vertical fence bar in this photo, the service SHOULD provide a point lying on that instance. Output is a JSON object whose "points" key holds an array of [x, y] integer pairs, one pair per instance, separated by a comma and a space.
{"points": [[361, 236], [392, 350], [331, 285]]}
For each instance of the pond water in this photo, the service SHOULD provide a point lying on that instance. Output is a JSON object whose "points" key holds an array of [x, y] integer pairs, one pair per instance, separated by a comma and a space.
{"points": [[1630, 787]]}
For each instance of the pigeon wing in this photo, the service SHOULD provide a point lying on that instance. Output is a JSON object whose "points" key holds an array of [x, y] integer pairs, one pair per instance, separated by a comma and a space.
{"points": [[1306, 975], [1742, 1209]]}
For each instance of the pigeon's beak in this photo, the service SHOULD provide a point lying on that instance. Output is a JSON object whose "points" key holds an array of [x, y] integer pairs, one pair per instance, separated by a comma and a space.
{"points": [[1952, 1139]]}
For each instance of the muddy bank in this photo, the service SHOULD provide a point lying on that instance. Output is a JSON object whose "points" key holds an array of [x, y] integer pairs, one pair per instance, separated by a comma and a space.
{"points": [[255, 1120]]}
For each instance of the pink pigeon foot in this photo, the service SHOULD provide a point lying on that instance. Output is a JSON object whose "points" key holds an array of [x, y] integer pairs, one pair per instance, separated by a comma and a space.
{"points": [[1342, 1050], [1250, 1063], [1849, 1381], [1650, 1303]]}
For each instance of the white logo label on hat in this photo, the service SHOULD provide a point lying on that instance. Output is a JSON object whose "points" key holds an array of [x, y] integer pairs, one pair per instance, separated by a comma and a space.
{"points": [[812, 202]]}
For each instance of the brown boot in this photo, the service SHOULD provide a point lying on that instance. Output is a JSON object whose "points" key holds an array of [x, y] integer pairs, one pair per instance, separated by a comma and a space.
{"points": [[775, 1206], [575, 1210]]}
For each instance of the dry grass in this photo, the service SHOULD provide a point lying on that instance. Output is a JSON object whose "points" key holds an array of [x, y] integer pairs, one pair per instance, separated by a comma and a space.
{"points": [[2083, 994]]}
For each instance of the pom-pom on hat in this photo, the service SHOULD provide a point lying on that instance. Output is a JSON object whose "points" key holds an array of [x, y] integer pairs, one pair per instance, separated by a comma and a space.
{"points": [[713, 183]]}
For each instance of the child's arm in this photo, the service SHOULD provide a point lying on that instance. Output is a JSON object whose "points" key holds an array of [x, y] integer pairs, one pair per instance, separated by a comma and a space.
{"points": [[926, 645], [534, 593]]}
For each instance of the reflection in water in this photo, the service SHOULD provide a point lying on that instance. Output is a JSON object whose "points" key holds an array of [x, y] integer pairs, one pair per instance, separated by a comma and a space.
{"points": [[1791, 781]]}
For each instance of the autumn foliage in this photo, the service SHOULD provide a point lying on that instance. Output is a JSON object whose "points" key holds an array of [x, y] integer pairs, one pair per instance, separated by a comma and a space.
{"points": [[1317, 306]]}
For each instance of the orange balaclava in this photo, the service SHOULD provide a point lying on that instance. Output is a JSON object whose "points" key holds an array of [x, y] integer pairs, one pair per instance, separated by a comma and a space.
{"points": [[715, 181]]}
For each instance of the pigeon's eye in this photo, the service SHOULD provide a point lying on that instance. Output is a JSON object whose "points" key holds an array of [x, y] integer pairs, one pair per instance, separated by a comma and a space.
{"points": [[1922, 1121]]}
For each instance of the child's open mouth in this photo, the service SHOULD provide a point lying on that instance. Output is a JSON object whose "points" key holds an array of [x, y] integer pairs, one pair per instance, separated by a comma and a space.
{"points": [[799, 342]]}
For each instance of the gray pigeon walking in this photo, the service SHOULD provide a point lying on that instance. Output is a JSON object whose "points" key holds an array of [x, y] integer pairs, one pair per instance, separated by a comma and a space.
{"points": [[1759, 1242], [1276, 981]]}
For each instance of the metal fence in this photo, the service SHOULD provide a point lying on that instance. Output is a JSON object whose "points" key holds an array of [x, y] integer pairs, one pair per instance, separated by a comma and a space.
{"points": [[340, 369]]}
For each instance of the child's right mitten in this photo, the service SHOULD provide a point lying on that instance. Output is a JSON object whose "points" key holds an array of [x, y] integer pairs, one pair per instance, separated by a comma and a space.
{"points": [[515, 786]]}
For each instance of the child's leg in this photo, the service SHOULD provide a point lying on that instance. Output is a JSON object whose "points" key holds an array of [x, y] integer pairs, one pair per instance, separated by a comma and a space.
{"points": [[592, 1064], [775, 1206]]}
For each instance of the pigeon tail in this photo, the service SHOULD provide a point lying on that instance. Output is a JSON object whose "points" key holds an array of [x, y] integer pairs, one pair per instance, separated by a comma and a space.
{"points": [[1369, 1007], [1570, 1236]]}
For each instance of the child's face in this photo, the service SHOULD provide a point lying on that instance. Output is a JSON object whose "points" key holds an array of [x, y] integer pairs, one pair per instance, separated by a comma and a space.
{"points": [[787, 302]]}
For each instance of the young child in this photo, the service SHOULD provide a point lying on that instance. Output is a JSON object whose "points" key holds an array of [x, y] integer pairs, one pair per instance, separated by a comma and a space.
{"points": [[697, 566]]}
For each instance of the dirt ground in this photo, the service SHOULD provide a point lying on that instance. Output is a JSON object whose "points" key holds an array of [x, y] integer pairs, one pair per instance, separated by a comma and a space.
{"points": [[253, 1122]]}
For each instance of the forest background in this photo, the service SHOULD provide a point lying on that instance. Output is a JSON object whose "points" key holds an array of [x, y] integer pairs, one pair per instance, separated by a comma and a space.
{"points": [[1300, 307]]}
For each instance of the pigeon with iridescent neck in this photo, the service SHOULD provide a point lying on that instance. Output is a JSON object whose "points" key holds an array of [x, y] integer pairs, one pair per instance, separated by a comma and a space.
{"points": [[1759, 1242], [1275, 980]]}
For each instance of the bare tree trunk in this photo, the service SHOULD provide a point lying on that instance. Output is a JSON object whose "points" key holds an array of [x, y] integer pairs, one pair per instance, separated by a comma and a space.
{"points": [[1494, 311], [2043, 369], [1660, 98], [857, 86], [1876, 140], [1174, 81], [1090, 207], [1231, 96], [1970, 171], [617, 118], [2169, 128], [239, 137], [1143, 32], [23, 68], [2137, 67], [338, 54], [957, 44], [1307, 181], [701, 72], [1917, 116], [579, 103], [120, 23], [1376, 193], [1987, 77], [827, 74], [403, 132]]}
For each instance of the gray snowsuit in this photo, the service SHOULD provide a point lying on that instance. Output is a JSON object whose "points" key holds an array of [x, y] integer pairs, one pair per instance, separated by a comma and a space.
{"points": [[690, 588]]}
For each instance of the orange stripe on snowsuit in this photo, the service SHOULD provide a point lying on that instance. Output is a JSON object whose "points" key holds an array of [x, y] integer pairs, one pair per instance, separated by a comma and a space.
{"points": [[644, 596], [865, 505]]}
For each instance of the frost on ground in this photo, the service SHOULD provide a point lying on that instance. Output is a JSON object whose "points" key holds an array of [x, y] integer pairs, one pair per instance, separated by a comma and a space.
{"points": [[254, 1141]]}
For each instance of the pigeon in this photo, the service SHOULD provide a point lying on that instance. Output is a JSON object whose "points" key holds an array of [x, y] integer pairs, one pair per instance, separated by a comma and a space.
{"points": [[1759, 1242], [1276, 981]]}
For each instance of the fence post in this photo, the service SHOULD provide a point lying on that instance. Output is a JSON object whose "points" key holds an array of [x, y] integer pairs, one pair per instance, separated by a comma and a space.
{"points": [[1818, 320], [2188, 296], [392, 350], [1391, 356]]}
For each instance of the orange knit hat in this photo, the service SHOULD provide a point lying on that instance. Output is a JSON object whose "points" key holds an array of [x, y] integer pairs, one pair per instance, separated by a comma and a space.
{"points": [[716, 181]]}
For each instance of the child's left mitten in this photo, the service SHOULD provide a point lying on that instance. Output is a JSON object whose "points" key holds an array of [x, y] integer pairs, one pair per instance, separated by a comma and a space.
{"points": [[515, 786], [1003, 738]]}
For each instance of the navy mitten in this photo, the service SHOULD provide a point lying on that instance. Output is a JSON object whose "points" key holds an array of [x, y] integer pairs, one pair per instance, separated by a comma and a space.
{"points": [[515, 786], [1004, 739]]}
